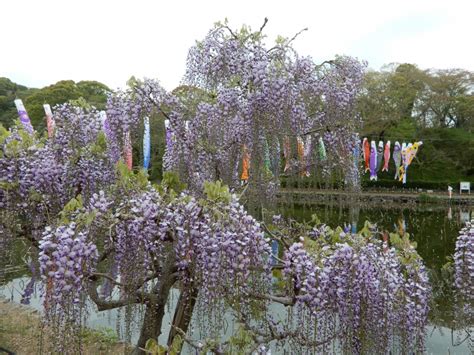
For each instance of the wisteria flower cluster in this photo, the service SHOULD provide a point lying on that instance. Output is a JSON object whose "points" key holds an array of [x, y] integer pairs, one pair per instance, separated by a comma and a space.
{"points": [[66, 256], [254, 96], [356, 289], [216, 245], [464, 278], [39, 177], [262, 97]]}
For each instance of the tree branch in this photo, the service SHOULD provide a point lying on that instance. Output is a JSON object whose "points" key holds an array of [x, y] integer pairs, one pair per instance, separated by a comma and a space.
{"points": [[264, 24], [296, 35], [105, 276], [231, 32], [278, 299], [285, 244], [103, 305]]}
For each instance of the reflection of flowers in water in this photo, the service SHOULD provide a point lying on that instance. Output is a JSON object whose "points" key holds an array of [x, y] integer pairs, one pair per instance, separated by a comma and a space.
{"points": [[29, 288], [27, 292]]}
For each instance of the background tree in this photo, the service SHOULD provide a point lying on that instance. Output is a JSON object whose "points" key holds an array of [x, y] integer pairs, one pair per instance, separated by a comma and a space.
{"points": [[440, 105], [404, 103], [390, 96], [93, 92], [9, 91]]}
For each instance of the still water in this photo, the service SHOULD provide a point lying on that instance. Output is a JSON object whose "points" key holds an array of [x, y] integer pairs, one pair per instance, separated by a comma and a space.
{"points": [[434, 229]]}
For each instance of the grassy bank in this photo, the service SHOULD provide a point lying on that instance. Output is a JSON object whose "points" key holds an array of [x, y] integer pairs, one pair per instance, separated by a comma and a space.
{"points": [[21, 333]]}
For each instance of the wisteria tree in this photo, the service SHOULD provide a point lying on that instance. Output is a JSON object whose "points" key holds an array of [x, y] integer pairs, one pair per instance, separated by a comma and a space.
{"points": [[106, 236], [270, 101]]}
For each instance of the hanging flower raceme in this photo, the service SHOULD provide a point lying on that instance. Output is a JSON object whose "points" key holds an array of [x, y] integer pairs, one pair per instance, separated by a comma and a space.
{"points": [[249, 97], [218, 247], [360, 291], [464, 278], [137, 235], [66, 256]]}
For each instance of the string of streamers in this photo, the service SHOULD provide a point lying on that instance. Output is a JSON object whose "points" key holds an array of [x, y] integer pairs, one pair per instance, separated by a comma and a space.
{"points": [[374, 155]]}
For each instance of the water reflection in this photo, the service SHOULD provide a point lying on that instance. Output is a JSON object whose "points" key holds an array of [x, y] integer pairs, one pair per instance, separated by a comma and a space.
{"points": [[434, 229]]}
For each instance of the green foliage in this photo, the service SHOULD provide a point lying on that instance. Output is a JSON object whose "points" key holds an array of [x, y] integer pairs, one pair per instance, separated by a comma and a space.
{"points": [[172, 183], [152, 347], [404, 248], [103, 336], [129, 180], [431, 98], [100, 145], [217, 192], [72, 207], [425, 198], [241, 341], [81, 102], [83, 93]]}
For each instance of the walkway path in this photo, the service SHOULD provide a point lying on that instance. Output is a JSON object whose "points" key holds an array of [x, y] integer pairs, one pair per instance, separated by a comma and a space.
{"points": [[315, 195]]}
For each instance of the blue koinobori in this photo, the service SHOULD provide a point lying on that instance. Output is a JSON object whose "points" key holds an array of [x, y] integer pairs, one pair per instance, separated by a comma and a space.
{"points": [[146, 144]]}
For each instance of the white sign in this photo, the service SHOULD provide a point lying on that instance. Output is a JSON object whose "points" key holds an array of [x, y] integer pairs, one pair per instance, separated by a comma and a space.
{"points": [[465, 186]]}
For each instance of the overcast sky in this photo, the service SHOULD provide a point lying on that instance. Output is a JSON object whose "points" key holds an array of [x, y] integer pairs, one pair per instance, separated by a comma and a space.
{"points": [[45, 41]]}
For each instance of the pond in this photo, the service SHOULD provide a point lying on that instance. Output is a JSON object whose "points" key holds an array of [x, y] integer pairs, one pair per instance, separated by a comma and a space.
{"points": [[433, 228]]}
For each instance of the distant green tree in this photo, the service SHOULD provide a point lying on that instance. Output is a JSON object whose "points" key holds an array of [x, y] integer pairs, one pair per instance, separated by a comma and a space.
{"points": [[465, 112], [405, 86], [390, 96], [374, 104], [92, 92], [432, 98], [447, 100], [9, 91]]}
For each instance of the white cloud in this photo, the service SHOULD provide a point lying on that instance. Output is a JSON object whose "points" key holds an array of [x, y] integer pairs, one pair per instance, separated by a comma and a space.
{"points": [[108, 41]]}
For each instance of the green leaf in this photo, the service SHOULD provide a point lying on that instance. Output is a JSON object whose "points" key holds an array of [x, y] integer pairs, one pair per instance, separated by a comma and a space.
{"points": [[100, 144], [176, 346], [4, 134], [171, 182], [217, 192], [72, 206], [152, 347]]}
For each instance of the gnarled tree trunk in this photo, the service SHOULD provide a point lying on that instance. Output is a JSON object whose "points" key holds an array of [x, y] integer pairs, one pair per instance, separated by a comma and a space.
{"points": [[184, 312]]}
